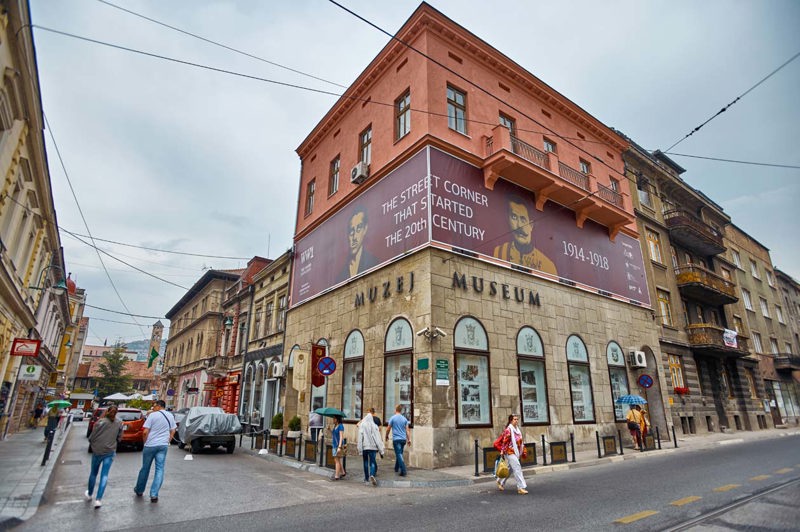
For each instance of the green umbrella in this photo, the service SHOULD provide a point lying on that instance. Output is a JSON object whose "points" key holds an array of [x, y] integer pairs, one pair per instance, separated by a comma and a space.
{"points": [[330, 412], [59, 403]]}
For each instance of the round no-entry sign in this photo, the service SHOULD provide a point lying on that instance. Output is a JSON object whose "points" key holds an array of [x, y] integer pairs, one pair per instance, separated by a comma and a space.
{"points": [[645, 380], [326, 366]]}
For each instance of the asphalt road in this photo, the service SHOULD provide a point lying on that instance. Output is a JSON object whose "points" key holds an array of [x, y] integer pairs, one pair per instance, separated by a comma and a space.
{"points": [[220, 492]]}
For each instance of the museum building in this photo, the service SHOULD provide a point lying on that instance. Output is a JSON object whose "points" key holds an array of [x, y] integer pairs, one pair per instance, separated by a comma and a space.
{"points": [[466, 247]]}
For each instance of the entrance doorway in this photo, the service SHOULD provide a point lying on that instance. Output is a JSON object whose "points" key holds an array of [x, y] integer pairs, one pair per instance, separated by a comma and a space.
{"points": [[654, 397]]}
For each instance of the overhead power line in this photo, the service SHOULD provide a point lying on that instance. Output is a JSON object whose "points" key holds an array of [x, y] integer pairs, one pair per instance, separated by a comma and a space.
{"points": [[773, 165], [125, 313], [695, 130]]}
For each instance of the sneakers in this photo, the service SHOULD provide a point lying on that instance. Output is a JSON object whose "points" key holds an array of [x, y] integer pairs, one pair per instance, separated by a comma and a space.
{"points": [[87, 496], [98, 503], [137, 493], [153, 499], [372, 480], [500, 485], [522, 491]]}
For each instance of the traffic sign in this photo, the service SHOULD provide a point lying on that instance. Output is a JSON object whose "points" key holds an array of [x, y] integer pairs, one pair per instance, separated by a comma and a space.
{"points": [[326, 366], [645, 380]]}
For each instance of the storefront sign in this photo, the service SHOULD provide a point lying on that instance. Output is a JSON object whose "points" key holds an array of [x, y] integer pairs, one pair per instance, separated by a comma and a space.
{"points": [[209, 387], [30, 372], [192, 390], [25, 347], [442, 372], [495, 289], [385, 290]]}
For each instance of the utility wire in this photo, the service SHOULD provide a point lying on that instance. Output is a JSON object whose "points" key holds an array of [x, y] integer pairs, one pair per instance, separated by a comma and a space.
{"points": [[215, 43], [695, 130], [125, 313], [202, 255], [773, 165]]}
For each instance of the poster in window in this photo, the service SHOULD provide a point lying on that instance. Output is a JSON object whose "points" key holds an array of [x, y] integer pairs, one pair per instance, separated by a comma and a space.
{"points": [[351, 393], [581, 389], [398, 384], [619, 387], [534, 393], [473, 396]]}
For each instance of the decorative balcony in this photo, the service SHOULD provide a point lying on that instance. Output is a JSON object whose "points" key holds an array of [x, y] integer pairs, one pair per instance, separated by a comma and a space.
{"points": [[518, 162], [786, 362], [693, 233], [713, 340], [704, 285]]}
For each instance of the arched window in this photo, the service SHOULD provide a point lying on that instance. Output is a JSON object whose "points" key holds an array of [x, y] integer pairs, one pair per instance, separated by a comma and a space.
{"points": [[258, 389], [618, 376], [353, 375], [473, 392], [292, 353], [319, 394], [398, 349], [580, 380], [247, 390], [532, 379]]}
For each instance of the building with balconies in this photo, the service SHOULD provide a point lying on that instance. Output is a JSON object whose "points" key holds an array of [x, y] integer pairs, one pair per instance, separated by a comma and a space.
{"points": [[465, 249], [766, 306], [704, 346]]}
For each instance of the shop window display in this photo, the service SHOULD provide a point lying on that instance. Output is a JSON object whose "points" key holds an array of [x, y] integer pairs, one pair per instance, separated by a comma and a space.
{"points": [[533, 386], [353, 376], [580, 381], [398, 375]]}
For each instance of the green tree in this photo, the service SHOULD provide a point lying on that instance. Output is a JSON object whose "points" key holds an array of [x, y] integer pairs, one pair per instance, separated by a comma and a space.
{"points": [[114, 378]]}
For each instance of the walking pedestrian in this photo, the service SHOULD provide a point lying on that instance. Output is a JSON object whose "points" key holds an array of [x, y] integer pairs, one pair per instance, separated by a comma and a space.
{"points": [[52, 421], [513, 449], [398, 426], [369, 444], [339, 447], [159, 429], [103, 441], [634, 419], [645, 425], [315, 425]]}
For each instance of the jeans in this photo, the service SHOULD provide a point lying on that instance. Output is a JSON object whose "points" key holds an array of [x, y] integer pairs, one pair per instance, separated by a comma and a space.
{"points": [[370, 465], [400, 464], [97, 460], [158, 453]]}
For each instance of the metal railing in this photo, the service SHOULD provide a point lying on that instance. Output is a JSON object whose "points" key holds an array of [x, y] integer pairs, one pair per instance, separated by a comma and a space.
{"points": [[610, 195], [528, 152], [573, 176], [693, 273], [678, 217]]}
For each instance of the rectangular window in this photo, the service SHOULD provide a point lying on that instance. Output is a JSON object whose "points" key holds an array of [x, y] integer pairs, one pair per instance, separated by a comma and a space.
{"points": [[281, 313], [788, 348], [365, 146], [614, 184], [333, 177], [580, 386], [674, 256], [586, 168], [676, 371], [645, 190], [619, 387], [257, 323], [726, 274], [398, 387], [770, 279], [402, 115], [509, 123], [312, 185], [773, 345], [757, 342], [664, 308], [534, 391], [352, 387], [472, 388], [456, 110], [754, 269], [779, 313], [748, 303], [654, 243], [764, 307], [751, 383], [738, 325], [736, 259], [268, 318], [549, 146]]}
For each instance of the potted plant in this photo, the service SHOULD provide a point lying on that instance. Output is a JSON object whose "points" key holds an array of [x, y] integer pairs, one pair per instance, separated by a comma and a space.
{"points": [[277, 424], [294, 428], [681, 390]]}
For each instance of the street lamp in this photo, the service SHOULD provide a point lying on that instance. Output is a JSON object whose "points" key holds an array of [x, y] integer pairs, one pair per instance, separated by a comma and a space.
{"points": [[228, 322], [59, 288]]}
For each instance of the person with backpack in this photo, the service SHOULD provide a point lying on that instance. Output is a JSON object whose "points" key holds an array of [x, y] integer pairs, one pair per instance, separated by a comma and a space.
{"points": [[512, 449]]}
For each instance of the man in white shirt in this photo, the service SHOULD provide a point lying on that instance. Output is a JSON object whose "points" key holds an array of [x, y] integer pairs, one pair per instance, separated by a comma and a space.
{"points": [[159, 428]]}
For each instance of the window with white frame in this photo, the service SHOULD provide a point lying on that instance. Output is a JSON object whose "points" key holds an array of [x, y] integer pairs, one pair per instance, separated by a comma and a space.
{"points": [[532, 380], [764, 307], [353, 376], [779, 313], [618, 376], [580, 380], [773, 344], [654, 243], [676, 371], [736, 259], [754, 269], [770, 279], [788, 348], [456, 110], [402, 115], [757, 342], [748, 303], [473, 392], [398, 377]]}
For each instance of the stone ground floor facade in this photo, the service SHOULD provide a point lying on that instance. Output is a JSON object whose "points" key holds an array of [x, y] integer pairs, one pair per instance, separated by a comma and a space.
{"points": [[461, 344]]}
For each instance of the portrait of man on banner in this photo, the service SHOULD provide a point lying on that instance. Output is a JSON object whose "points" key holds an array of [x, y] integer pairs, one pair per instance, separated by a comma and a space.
{"points": [[519, 248], [358, 258]]}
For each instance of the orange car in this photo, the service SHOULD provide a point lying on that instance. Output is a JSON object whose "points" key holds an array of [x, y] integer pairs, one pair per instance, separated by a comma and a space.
{"points": [[132, 427]]}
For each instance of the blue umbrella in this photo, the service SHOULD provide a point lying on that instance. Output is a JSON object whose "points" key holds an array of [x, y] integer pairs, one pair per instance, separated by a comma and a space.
{"points": [[632, 399]]}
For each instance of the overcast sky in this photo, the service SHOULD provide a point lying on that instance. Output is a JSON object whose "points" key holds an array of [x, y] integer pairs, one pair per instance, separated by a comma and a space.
{"points": [[175, 157]]}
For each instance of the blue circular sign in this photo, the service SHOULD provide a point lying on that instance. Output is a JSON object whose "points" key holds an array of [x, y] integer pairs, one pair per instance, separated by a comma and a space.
{"points": [[326, 366], [645, 380]]}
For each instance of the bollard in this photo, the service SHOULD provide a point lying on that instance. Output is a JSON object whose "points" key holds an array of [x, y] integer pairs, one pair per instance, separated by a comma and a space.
{"points": [[619, 437], [321, 447], [49, 446], [300, 451], [658, 438], [597, 435], [544, 452], [674, 439], [572, 445], [280, 444], [241, 435], [476, 459]]}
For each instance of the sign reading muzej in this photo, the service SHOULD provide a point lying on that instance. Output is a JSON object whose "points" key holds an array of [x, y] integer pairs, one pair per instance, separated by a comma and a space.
{"points": [[25, 347], [434, 197]]}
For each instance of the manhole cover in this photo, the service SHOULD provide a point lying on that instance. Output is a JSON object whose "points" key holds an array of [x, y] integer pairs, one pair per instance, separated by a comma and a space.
{"points": [[71, 462]]}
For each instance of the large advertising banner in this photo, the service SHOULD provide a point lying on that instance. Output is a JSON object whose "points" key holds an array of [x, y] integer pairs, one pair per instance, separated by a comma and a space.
{"points": [[449, 205]]}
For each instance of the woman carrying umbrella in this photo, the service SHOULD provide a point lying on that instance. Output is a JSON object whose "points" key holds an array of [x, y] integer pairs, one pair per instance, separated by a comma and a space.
{"points": [[635, 423]]}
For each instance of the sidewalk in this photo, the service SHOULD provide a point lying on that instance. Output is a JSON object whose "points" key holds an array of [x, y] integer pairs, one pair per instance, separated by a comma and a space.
{"points": [[23, 479], [465, 475]]}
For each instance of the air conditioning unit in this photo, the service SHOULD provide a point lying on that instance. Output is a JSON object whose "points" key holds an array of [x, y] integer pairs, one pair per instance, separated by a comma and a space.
{"points": [[359, 173], [278, 369], [637, 359]]}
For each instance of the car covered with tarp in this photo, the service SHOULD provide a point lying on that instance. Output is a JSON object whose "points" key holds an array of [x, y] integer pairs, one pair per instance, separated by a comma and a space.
{"points": [[209, 426]]}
